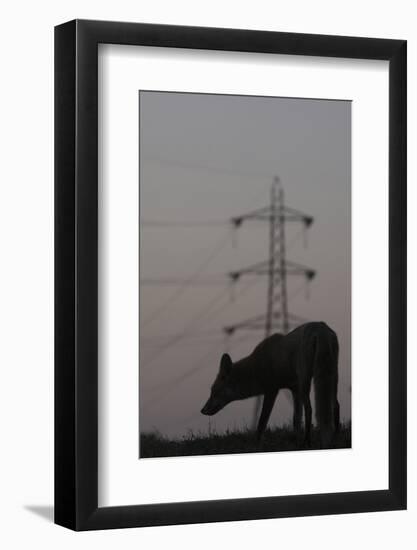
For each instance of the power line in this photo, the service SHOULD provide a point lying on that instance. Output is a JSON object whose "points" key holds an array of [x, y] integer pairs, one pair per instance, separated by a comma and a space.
{"points": [[207, 311], [300, 233], [200, 365], [191, 323], [205, 168], [202, 223], [191, 341], [185, 285], [297, 291], [193, 224], [198, 334], [179, 223], [179, 282]]}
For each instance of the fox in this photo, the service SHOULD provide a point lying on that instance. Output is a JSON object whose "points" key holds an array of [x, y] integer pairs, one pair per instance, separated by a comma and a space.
{"points": [[307, 354]]}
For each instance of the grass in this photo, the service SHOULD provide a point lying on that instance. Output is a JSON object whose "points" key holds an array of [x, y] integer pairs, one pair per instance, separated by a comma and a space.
{"points": [[153, 444]]}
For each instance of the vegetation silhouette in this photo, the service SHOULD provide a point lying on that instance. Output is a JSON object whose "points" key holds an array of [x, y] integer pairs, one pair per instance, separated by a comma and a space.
{"points": [[154, 444]]}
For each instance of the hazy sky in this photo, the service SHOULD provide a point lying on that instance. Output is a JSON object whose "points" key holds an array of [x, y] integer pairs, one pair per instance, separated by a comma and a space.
{"points": [[207, 158]]}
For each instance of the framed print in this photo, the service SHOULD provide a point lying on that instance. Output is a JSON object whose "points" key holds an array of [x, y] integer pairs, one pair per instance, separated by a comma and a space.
{"points": [[230, 254]]}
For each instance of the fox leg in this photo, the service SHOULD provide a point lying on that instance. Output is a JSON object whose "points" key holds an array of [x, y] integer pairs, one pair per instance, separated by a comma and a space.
{"points": [[307, 412], [297, 411], [336, 417], [268, 403]]}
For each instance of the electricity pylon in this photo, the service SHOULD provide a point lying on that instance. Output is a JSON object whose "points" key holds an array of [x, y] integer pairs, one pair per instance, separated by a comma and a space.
{"points": [[277, 268]]}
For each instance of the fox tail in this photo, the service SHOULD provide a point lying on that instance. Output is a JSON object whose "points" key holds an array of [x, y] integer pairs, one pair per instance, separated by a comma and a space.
{"points": [[325, 379]]}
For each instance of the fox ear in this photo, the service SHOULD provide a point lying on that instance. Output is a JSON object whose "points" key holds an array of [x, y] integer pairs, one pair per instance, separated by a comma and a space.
{"points": [[226, 364]]}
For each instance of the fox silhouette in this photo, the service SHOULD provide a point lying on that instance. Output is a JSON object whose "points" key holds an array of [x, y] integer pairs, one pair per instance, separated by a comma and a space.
{"points": [[308, 353]]}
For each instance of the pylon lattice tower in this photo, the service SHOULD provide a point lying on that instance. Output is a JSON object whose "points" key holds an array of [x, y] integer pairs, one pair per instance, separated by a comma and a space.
{"points": [[277, 278]]}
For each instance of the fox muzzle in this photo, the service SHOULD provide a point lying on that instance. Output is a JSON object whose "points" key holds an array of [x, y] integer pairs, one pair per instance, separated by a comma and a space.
{"points": [[207, 410], [211, 407]]}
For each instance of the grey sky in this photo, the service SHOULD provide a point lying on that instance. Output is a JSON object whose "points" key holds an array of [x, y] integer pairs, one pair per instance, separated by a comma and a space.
{"points": [[207, 158]]}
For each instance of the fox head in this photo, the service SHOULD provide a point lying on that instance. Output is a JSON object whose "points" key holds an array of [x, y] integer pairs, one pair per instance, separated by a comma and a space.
{"points": [[223, 390]]}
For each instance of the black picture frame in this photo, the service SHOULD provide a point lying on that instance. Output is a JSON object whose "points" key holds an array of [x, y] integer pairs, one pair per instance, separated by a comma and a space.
{"points": [[76, 272]]}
